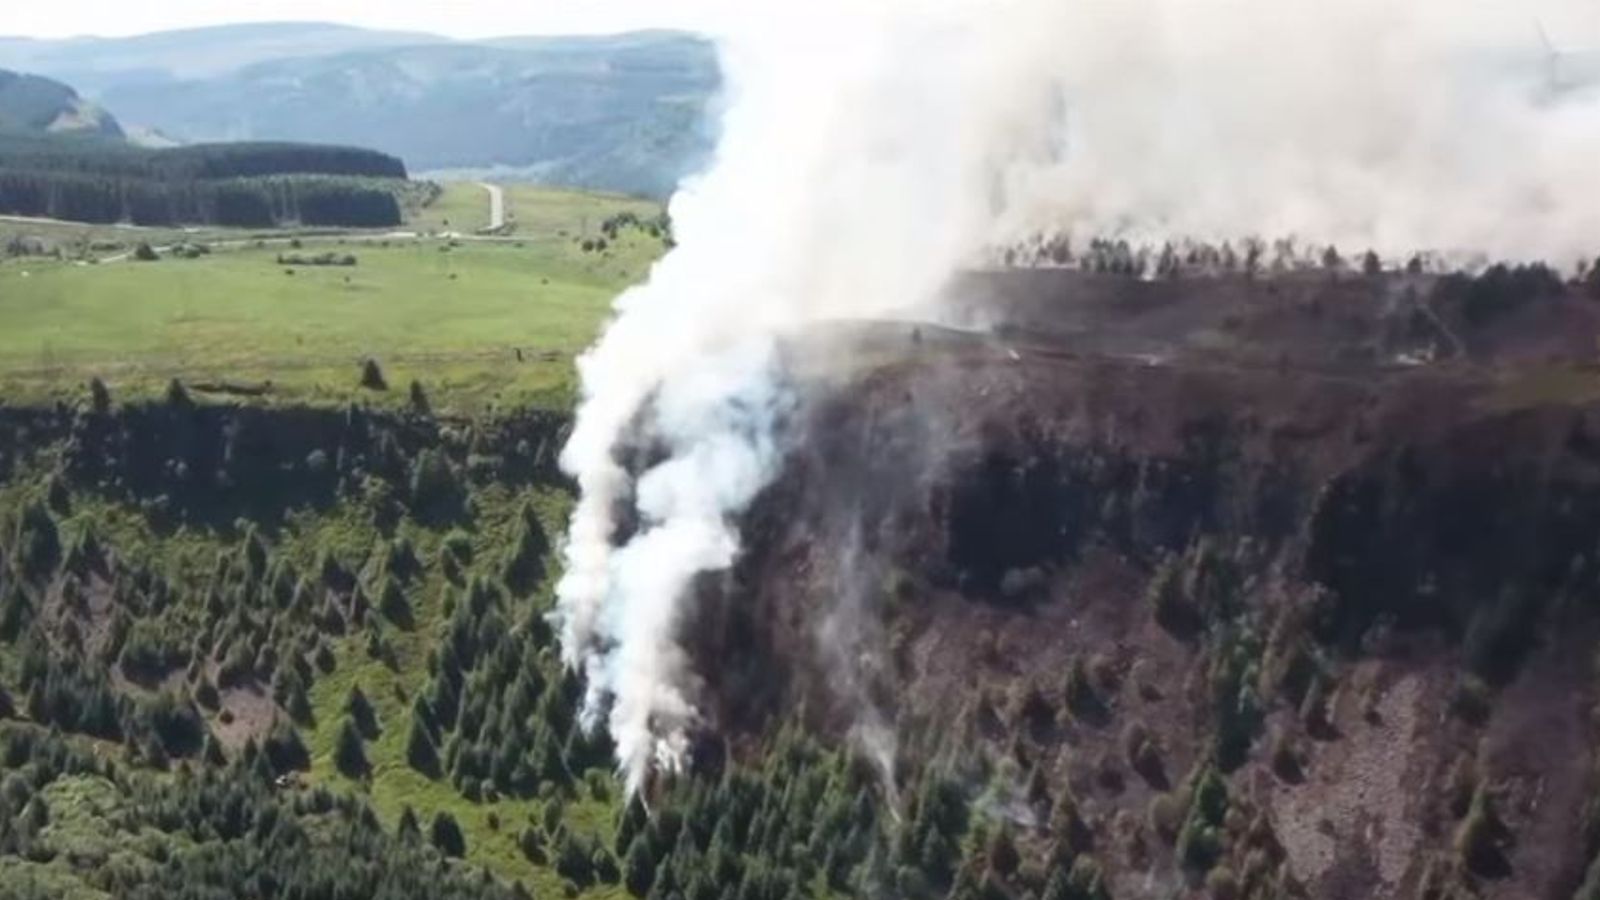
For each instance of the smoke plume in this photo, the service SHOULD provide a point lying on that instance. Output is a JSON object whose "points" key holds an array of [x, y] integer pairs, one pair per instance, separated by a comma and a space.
{"points": [[870, 150]]}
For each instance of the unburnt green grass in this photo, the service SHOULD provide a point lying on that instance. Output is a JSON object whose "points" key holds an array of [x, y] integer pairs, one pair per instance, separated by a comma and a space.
{"points": [[475, 322]]}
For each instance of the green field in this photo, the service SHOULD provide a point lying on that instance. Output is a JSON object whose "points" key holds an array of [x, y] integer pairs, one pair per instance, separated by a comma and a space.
{"points": [[532, 211], [453, 315], [462, 206], [553, 212]]}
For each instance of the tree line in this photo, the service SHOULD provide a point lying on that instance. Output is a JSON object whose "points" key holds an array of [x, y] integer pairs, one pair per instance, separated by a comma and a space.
{"points": [[242, 202], [242, 185], [194, 162]]}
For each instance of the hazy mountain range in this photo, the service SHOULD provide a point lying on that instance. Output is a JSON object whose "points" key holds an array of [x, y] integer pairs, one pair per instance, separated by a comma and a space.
{"points": [[624, 112]]}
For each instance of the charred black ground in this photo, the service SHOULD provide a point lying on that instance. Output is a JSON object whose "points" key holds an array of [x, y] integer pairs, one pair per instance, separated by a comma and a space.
{"points": [[1236, 585]]}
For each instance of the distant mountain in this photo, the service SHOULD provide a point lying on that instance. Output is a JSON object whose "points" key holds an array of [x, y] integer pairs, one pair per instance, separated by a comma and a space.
{"points": [[33, 105], [622, 112], [94, 64]]}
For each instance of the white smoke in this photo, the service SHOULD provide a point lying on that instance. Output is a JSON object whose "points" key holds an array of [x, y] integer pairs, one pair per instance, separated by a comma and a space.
{"points": [[1402, 126], [870, 149]]}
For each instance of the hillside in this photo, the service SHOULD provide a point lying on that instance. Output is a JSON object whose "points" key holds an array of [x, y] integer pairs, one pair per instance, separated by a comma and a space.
{"points": [[1225, 584], [624, 113], [33, 105], [1208, 586]]}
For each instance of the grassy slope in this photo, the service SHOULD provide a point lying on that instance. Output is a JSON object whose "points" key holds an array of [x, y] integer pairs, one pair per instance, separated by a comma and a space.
{"points": [[554, 212], [461, 206], [449, 316]]}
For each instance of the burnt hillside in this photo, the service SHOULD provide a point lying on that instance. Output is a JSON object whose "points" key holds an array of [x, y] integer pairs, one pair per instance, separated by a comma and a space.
{"points": [[1277, 586]]}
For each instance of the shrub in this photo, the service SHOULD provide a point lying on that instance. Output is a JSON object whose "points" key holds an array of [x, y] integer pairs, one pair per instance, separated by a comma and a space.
{"points": [[1078, 694], [1144, 755], [145, 253], [38, 542], [1222, 883], [1168, 599], [177, 395], [1286, 757], [99, 396], [1087, 879], [372, 376], [1481, 838], [1471, 702], [434, 489]]}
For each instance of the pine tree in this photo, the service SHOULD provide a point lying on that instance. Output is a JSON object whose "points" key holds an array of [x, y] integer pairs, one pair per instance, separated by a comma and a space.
{"points": [[639, 867], [212, 752], [348, 753], [420, 751], [446, 835], [409, 830], [393, 604], [361, 712]]}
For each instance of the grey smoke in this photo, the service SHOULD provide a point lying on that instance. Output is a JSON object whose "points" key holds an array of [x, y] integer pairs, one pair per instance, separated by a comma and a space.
{"points": [[871, 150]]}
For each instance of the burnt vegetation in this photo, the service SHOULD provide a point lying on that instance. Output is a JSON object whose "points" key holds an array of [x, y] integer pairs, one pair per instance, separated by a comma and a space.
{"points": [[1215, 590]]}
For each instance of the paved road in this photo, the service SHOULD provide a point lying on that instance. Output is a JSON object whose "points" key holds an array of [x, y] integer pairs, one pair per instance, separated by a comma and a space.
{"points": [[497, 205]]}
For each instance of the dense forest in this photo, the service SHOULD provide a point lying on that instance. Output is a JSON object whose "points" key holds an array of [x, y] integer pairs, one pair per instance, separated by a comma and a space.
{"points": [[243, 185], [304, 653]]}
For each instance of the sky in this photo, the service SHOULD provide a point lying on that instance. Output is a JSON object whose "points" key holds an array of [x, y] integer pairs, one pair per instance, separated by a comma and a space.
{"points": [[490, 18], [463, 18]]}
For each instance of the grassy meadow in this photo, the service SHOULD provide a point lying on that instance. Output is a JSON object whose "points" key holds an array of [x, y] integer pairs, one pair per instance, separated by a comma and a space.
{"points": [[451, 314]]}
